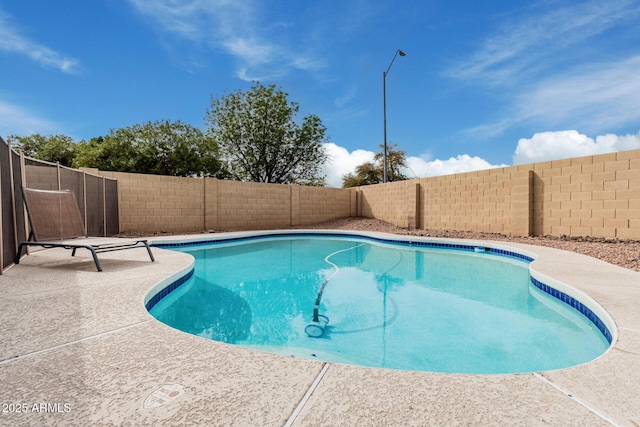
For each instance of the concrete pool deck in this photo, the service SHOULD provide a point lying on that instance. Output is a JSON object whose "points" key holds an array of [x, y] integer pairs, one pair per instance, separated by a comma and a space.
{"points": [[79, 348]]}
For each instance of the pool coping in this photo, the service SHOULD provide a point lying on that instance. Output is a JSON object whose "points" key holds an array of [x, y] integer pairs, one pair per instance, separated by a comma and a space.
{"points": [[110, 330]]}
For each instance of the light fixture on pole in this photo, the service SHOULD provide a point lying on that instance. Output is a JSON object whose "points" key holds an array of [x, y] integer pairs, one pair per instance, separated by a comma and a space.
{"points": [[384, 102]]}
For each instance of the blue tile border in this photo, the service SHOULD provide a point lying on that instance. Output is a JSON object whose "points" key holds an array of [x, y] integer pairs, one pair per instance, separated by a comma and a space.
{"points": [[168, 289], [586, 311], [410, 243], [569, 300]]}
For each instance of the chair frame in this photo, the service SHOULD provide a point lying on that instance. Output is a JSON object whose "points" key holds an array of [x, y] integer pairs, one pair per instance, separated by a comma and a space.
{"points": [[67, 232]]}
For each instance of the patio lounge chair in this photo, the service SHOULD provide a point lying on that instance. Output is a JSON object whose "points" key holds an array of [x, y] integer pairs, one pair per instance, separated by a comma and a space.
{"points": [[55, 222]]}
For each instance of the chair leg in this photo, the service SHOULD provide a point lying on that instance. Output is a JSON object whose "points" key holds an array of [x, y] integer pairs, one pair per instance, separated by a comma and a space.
{"points": [[95, 258], [19, 253], [149, 250]]}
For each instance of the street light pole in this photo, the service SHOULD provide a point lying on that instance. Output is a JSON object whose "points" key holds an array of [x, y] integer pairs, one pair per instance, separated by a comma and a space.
{"points": [[384, 104]]}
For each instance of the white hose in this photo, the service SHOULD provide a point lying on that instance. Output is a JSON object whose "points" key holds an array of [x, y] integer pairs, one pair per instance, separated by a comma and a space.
{"points": [[336, 268], [324, 284]]}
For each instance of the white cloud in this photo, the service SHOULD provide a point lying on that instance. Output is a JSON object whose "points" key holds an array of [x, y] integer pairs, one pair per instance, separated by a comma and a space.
{"points": [[527, 43], [13, 42], [592, 98], [604, 96], [307, 62], [243, 74], [235, 27], [489, 130], [341, 162], [220, 22], [345, 99], [543, 146], [16, 120], [251, 51], [542, 57], [461, 163], [546, 146]]}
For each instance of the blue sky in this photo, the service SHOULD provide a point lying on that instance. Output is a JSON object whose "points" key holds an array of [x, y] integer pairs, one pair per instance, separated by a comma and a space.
{"points": [[482, 84]]}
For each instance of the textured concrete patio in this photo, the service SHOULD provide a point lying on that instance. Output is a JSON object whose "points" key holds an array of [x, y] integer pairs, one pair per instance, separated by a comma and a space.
{"points": [[79, 348]]}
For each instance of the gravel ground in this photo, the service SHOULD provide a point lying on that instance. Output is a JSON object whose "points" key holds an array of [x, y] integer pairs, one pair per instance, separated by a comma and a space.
{"points": [[625, 253]]}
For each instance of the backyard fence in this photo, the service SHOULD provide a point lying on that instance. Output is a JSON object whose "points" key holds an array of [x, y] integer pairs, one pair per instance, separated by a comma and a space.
{"points": [[97, 197], [596, 196], [159, 203]]}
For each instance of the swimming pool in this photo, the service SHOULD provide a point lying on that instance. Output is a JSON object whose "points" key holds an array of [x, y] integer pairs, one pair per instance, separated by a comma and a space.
{"points": [[419, 305]]}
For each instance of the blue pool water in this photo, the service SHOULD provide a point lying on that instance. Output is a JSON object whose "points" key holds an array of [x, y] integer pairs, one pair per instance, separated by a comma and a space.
{"points": [[390, 306]]}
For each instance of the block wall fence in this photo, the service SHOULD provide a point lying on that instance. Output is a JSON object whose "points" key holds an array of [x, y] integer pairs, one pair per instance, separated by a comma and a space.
{"points": [[596, 196], [178, 204]]}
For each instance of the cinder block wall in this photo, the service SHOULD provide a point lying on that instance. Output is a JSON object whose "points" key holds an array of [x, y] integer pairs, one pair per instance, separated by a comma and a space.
{"points": [[159, 203], [319, 204], [596, 196], [493, 200], [177, 204], [251, 205], [394, 202]]}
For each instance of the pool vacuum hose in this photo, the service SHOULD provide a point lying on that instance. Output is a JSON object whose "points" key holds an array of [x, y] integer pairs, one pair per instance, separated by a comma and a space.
{"points": [[316, 328]]}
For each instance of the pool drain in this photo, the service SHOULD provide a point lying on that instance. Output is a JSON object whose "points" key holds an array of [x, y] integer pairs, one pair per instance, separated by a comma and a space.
{"points": [[164, 395]]}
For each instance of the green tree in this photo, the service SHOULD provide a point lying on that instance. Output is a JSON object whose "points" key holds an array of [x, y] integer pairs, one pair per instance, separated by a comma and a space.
{"points": [[373, 172], [260, 140], [106, 153], [52, 148], [366, 173], [159, 148], [396, 160]]}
